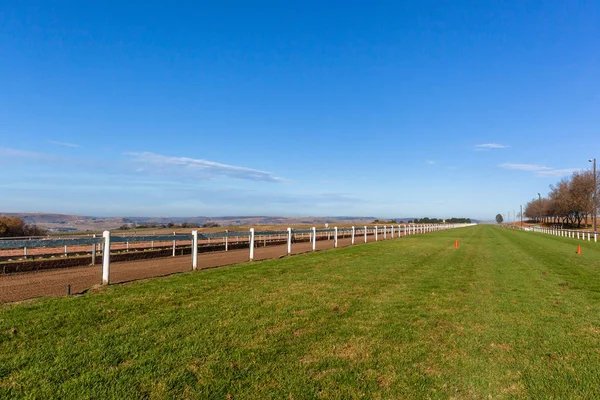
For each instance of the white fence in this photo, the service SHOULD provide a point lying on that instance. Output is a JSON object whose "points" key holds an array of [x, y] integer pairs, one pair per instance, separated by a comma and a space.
{"points": [[568, 233], [104, 242]]}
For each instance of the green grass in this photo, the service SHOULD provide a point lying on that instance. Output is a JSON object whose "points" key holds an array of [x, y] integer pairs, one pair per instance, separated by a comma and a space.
{"points": [[506, 315]]}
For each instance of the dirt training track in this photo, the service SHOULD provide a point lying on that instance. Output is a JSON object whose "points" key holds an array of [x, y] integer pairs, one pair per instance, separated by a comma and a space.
{"points": [[21, 286]]}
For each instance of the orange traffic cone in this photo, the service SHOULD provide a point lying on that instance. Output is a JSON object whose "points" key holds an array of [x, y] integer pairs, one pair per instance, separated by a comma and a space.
{"points": [[456, 244], [578, 249]]}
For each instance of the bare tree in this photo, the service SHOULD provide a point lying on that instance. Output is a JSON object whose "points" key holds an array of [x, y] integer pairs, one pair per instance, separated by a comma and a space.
{"points": [[570, 201]]}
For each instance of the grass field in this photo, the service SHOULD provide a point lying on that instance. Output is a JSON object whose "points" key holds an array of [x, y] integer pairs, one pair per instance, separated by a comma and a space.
{"points": [[506, 315]]}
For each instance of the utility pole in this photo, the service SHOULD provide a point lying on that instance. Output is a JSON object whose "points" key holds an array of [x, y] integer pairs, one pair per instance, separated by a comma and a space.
{"points": [[595, 211], [540, 201]]}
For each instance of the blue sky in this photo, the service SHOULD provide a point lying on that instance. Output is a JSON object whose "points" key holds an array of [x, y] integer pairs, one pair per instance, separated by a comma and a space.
{"points": [[387, 109]]}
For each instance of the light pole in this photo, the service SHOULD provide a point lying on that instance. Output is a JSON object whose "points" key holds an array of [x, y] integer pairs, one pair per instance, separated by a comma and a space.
{"points": [[594, 197], [540, 202], [521, 216]]}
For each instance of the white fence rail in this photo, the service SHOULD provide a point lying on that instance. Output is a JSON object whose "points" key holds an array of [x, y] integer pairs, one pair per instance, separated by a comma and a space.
{"points": [[104, 242], [568, 233]]}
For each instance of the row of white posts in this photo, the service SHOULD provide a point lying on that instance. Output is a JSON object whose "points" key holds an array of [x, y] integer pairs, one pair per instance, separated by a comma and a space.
{"points": [[25, 252], [406, 230], [385, 230], [94, 250], [567, 233]]}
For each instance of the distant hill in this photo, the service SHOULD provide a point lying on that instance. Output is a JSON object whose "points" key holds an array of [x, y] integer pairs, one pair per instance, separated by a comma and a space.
{"points": [[67, 222]]}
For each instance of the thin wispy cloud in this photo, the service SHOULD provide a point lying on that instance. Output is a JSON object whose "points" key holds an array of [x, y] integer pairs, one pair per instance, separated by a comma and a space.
{"points": [[488, 146], [539, 170], [11, 156], [64, 144], [558, 173], [197, 168], [430, 162], [7, 152], [525, 167]]}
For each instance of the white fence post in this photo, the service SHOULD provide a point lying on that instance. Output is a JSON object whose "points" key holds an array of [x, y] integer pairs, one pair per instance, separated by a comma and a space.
{"points": [[194, 250], [106, 258], [226, 240], [376, 229], [365, 234], [335, 238], [94, 252], [289, 241], [251, 244], [174, 245], [314, 238], [384, 232], [352, 235]]}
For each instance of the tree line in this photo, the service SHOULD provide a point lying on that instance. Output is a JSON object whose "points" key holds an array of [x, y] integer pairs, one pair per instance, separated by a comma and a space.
{"points": [[569, 202], [169, 225], [15, 227], [428, 220], [383, 221]]}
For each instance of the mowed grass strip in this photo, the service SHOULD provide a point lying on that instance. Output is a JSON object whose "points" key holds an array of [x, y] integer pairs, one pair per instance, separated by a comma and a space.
{"points": [[507, 314]]}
